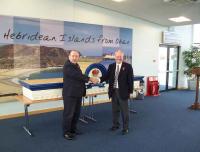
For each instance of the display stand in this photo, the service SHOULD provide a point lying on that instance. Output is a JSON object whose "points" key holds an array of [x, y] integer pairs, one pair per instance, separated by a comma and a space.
{"points": [[196, 105]]}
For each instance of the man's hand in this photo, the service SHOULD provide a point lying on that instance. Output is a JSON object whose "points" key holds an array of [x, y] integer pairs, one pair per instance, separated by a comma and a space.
{"points": [[94, 80]]}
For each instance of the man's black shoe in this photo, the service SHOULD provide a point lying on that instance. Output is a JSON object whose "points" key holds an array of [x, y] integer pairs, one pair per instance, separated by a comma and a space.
{"points": [[68, 136], [77, 132], [124, 131], [113, 128]]}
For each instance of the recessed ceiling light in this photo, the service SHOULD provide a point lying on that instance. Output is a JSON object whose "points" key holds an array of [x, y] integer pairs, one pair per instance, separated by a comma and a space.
{"points": [[118, 0], [179, 19]]}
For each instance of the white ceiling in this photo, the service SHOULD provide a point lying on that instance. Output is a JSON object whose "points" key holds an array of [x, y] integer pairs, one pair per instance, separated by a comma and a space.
{"points": [[156, 11]]}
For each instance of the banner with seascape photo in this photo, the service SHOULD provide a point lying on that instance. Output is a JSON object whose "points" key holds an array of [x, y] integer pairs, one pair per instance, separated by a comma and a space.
{"points": [[32, 48]]}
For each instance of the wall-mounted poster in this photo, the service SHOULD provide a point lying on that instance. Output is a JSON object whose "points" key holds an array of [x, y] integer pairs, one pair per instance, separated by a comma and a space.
{"points": [[33, 48]]}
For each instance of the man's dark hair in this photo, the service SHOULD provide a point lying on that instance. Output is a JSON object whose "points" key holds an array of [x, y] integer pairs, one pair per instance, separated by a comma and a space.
{"points": [[75, 51]]}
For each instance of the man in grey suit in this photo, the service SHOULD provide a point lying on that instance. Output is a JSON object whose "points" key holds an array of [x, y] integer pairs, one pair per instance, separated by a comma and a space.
{"points": [[120, 78]]}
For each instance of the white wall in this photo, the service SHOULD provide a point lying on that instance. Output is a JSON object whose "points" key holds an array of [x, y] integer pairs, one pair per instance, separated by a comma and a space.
{"points": [[45, 9], [146, 36], [185, 33]]}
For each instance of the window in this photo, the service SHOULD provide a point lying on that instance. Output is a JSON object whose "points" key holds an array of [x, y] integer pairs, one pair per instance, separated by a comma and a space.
{"points": [[196, 35]]}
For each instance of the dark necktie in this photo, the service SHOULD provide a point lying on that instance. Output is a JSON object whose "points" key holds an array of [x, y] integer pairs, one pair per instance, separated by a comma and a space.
{"points": [[116, 76]]}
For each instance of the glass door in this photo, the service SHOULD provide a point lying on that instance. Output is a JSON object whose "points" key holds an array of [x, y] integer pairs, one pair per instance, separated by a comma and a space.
{"points": [[173, 68], [168, 67]]}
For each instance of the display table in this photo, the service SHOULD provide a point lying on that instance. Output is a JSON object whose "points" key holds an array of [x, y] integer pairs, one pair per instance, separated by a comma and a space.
{"points": [[42, 89], [88, 111], [27, 102]]}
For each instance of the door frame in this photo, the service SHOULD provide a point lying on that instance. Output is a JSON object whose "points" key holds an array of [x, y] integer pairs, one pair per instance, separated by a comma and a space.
{"points": [[168, 46]]}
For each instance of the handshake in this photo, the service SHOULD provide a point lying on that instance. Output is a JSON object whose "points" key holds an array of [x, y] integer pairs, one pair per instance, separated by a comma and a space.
{"points": [[94, 80]]}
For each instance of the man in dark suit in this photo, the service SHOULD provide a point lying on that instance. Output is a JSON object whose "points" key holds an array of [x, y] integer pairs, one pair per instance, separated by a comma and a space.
{"points": [[73, 91], [120, 78]]}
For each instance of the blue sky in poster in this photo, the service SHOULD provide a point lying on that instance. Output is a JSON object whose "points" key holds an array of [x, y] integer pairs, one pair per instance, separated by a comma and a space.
{"points": [[126, 34], [83, 37], [126, 46], [89, 39], [26, 27]]}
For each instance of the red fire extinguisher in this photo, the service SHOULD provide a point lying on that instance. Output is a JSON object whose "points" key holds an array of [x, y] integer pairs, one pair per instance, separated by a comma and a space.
{"points": [[155, 88], [152, 86]]}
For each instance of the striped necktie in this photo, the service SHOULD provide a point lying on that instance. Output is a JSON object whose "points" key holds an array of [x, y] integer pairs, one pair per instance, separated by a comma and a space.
{"points": [[116, 76]]}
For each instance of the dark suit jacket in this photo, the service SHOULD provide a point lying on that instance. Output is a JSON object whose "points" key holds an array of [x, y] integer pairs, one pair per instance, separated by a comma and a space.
{"points": [[73, 80], [125, 80]]}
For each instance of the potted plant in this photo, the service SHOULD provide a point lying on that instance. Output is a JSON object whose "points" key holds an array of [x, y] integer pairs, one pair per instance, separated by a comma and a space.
{"points": [[191, 58]]}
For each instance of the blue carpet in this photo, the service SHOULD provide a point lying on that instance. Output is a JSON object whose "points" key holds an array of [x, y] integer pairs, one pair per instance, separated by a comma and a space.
{"points": [[162, 124]]}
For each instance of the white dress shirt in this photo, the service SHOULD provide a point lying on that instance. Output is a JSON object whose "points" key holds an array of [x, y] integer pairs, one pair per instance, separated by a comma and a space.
{"points": [[118, 64]]}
